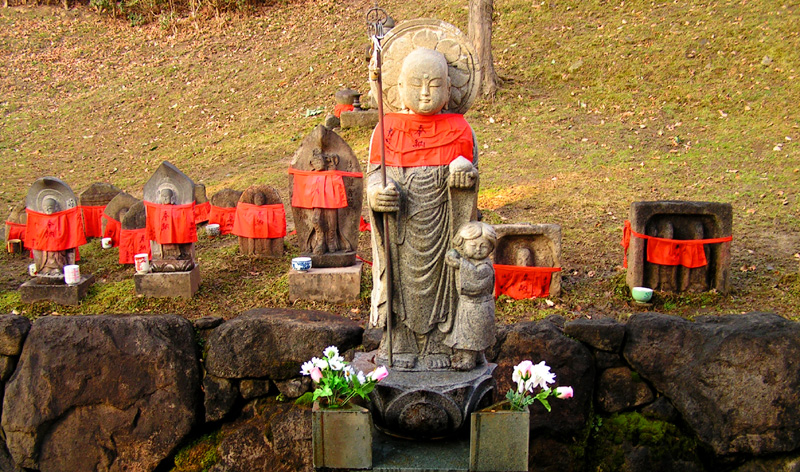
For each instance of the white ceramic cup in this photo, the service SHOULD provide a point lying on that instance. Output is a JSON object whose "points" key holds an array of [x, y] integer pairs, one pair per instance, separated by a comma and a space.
{"points": [[72, 274], [142, 263], [32, 270], [212, 229], [107, 243]]}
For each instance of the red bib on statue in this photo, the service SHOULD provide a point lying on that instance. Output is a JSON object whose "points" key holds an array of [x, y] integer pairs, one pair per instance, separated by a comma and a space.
{"points": [[520, 282], [16, 231], [91, 220], [201, 212], [113, 228], [415, 140], [132, 242], [264, 221], [57, 232], [224, 217], [320, 189], [171, 224]]}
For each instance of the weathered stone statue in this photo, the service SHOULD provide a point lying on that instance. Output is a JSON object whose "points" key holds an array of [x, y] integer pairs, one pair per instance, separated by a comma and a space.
{"points": [[53, 241], [441, 306], [114, 213], [93, 202], [260, 222], [473, 327], [431, 159], [326, 188], [176, 229]]}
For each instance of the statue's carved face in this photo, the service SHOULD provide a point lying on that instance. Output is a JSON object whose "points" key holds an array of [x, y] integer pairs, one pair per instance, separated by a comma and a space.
{"points": [[424, 86], [478, 248], [166, 197], [49, 205]]}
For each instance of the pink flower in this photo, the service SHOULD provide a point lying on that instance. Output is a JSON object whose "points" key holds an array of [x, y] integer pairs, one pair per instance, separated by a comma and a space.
{"points": [[316, 374], [563, 392], [379, 374]]}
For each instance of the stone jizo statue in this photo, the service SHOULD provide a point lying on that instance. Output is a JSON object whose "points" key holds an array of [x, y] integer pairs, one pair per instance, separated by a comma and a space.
{"points": [[430, 192], [474, 326]]}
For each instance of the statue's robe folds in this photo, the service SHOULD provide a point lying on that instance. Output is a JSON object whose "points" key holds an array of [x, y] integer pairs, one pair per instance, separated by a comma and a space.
{"points": [[419, 150]]}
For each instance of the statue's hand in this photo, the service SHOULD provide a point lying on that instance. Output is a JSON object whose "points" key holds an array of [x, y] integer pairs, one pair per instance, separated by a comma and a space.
{"points": [[452, 258], [386, 199], [463, 179]]}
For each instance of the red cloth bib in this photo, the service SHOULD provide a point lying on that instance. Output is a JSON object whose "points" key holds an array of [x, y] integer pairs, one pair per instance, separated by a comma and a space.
{"points": [[201, 212], [16, 231], [224, 217], [263, 222], [520, 282], [113, 228], [57, 232], [320, 189], [688, 253], [342, 107], [91, 220], [416, 140], [171, 224], [363, 225], [132, 242]]}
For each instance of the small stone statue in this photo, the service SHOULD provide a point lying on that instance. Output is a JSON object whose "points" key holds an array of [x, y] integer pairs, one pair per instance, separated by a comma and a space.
{"points": [[171, 257], [49, 196], [170, 186], [473, 327], [326, 192]]}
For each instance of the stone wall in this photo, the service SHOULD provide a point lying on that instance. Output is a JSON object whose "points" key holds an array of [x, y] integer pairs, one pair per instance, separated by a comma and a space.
{"points": [[111, 393]]}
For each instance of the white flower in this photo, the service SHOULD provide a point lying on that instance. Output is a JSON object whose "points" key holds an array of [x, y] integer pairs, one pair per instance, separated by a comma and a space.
{"points": [[362, 379], [336, 363], [540, 377], [320, 363], [331, 352], [306, 368], [522, 375], [348, 372]]}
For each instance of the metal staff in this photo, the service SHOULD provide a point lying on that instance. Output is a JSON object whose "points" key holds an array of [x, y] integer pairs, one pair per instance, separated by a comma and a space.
{"points": [[376, 18]]}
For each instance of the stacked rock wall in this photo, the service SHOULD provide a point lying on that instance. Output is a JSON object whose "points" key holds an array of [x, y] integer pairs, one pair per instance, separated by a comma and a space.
{"points": [[110, 393]]}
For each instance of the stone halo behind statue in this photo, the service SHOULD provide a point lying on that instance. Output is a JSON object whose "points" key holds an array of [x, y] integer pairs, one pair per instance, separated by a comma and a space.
{"points": [[463, 65]]}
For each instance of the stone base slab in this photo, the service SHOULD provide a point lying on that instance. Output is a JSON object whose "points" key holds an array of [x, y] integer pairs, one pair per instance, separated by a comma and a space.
{"points": [[63, 294], [168, 284], [332, 285], [359, 119]]}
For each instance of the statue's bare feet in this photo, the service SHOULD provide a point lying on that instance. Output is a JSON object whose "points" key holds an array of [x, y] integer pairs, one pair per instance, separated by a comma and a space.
{"points": [[399, 361], [463, 360], [437, 361], [319, 249]]}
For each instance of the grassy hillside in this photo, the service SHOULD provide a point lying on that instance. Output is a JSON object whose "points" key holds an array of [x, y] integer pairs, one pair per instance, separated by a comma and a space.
{"points": [[603, 104]]}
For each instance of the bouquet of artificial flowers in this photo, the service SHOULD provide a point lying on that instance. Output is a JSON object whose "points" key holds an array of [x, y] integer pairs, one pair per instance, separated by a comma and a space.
{"points": [[529, 377], [337, 381]]}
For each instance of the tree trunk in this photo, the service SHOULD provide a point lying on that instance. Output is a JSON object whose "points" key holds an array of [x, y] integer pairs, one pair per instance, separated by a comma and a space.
{"points": [[480, 33]]}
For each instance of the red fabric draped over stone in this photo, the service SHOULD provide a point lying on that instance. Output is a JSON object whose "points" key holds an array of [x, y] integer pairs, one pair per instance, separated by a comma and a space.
{"points": [[688, 253], [201, 212], [363, 225], [16, 231], [113, 228], [260, 221], [416, 140], [92, 215], [56, 232], [320, 189], [340, 108], [520, 282], [224, 217], [132, 242], [171, 224]]}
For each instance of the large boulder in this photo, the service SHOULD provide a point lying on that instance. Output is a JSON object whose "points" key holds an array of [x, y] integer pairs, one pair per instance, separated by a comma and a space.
{"points": [[570, 360], [13, 330], [735, 379], [268, 436], [274, 342], [103, 393]]}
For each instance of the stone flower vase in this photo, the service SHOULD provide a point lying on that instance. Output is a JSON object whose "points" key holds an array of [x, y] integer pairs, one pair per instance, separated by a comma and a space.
{"points": [[499, 439], [341, 437]]}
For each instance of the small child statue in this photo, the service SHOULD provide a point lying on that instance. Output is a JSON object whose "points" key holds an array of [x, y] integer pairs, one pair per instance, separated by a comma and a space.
{"points": [[474, 327]]}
